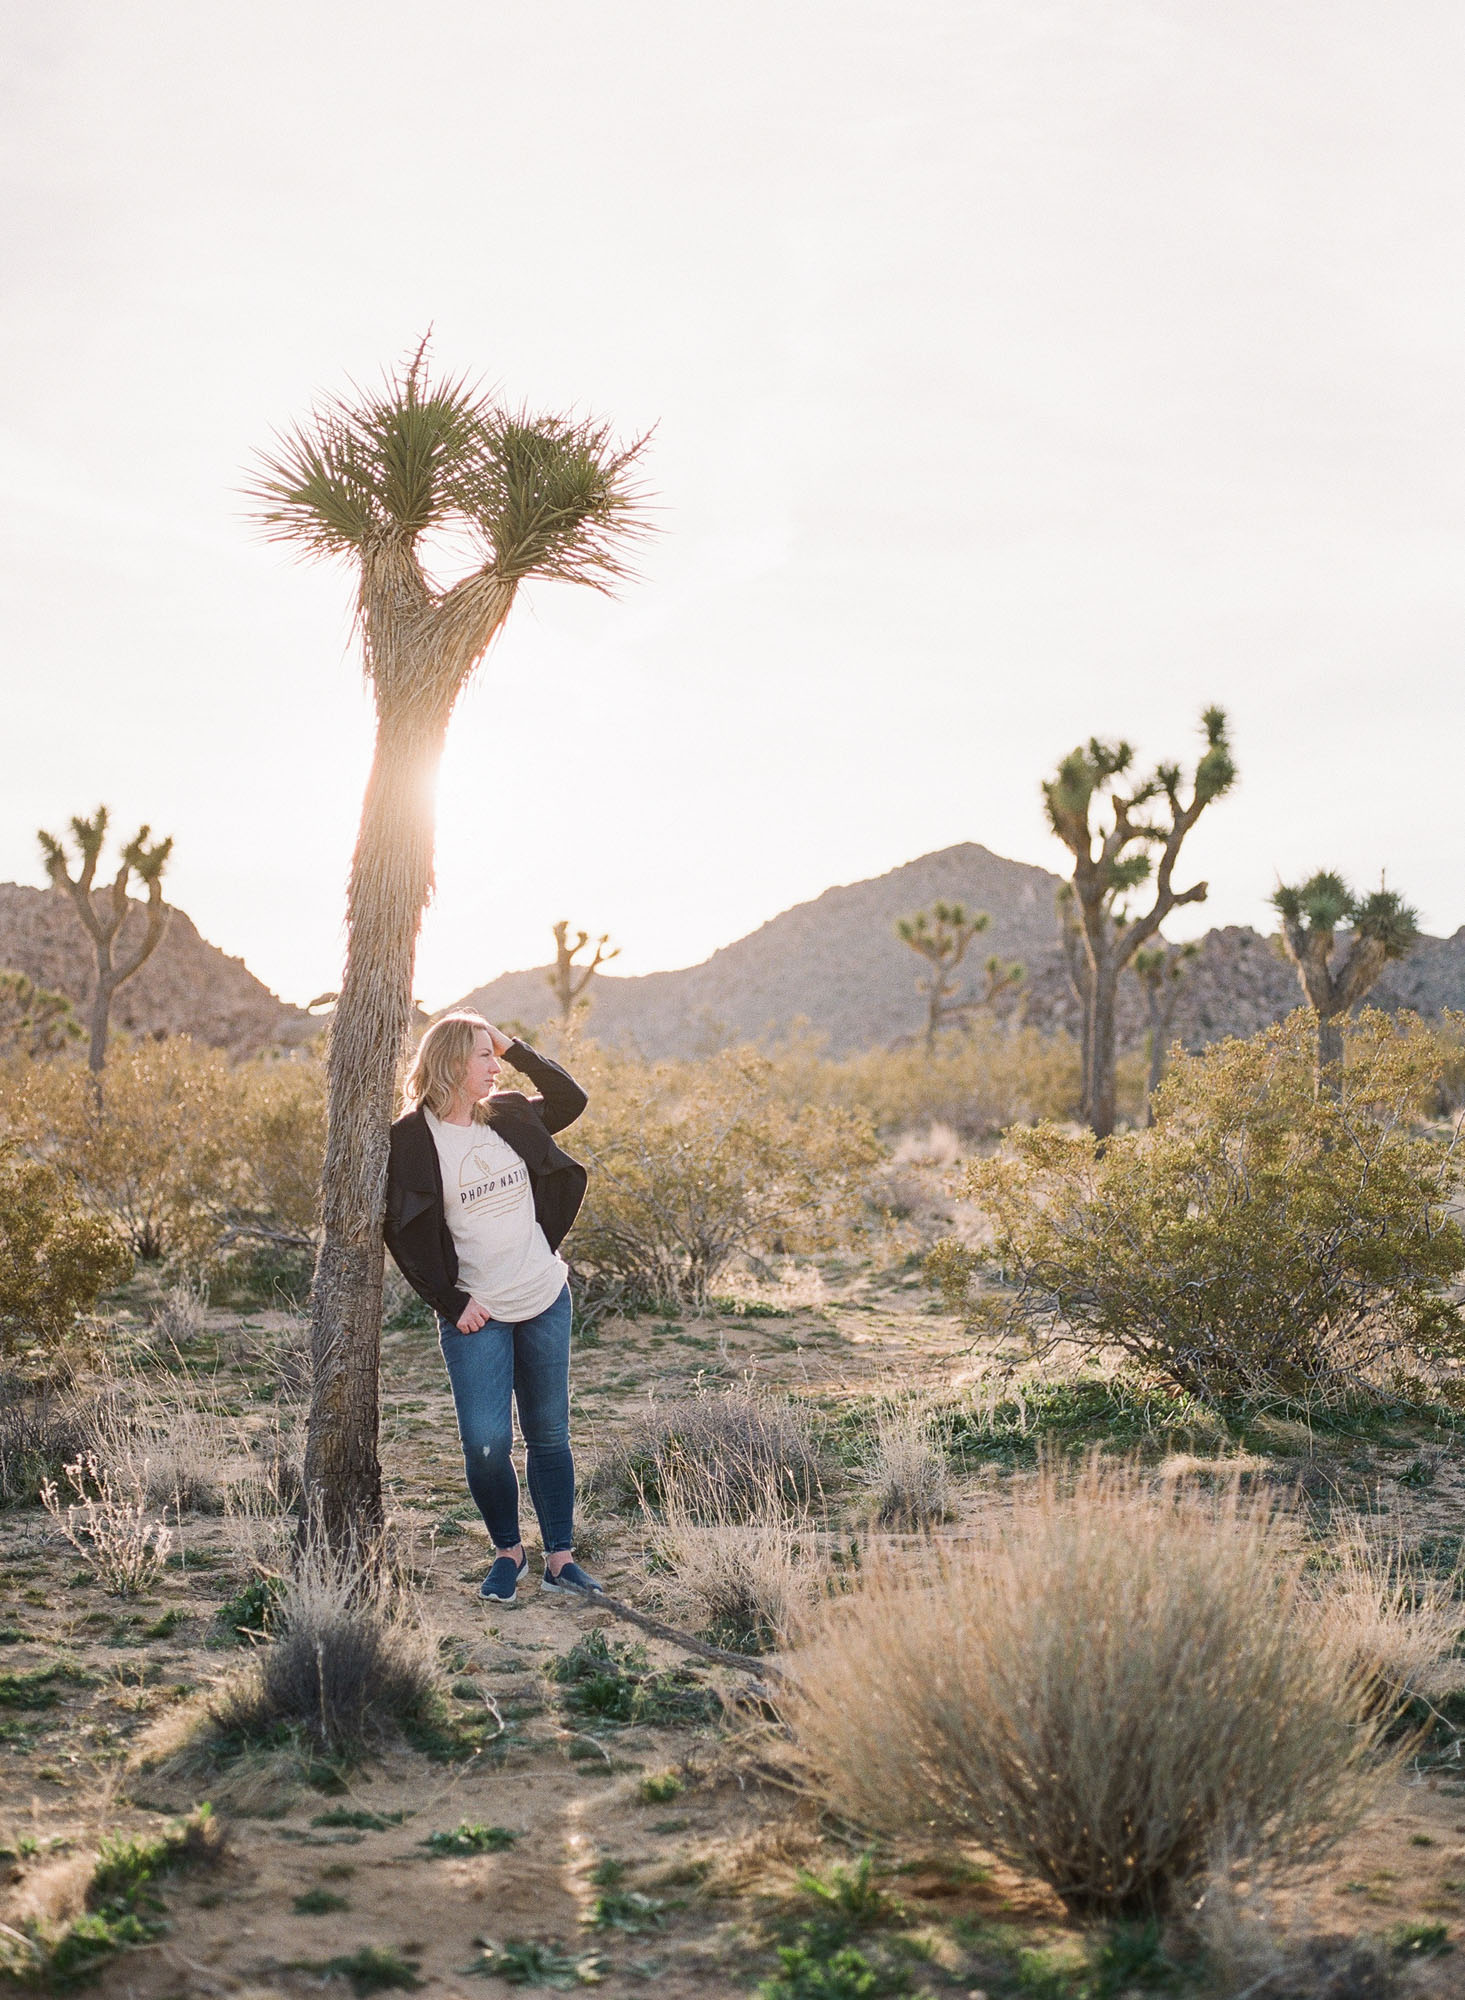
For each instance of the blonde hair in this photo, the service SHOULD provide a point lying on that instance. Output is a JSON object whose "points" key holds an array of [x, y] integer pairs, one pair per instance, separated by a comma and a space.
{"points": [[438, 1066]]}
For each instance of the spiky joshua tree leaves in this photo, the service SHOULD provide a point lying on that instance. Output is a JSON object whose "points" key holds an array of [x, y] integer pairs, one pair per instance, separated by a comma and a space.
{"points": [[371, 480], [1148, 823], [1383, 927], [143, 857]]}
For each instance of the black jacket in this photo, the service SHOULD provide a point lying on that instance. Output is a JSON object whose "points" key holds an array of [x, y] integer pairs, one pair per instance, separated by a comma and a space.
{"points": [[416, 1227]]}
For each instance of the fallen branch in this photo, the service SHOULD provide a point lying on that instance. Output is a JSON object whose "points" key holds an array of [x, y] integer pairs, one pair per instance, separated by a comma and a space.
{"points": [[747, 1663]]}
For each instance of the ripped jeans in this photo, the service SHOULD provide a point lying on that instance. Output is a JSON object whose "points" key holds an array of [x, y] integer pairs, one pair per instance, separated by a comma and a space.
{"points": [[527, 1364]]}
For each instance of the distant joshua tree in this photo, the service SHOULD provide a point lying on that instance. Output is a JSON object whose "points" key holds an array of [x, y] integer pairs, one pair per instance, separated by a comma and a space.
{"points": [[1383, 927], [148, 863], [1159, 968], [569, 980], [942, 937], [368, 480], [1111, 863]]}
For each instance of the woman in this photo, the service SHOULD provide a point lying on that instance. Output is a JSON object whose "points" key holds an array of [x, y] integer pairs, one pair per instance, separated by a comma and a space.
{"points": [[479, 1198]]}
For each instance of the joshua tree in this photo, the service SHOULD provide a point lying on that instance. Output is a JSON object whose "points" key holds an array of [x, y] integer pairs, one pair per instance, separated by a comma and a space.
{"points": [[942, 938], [147, 863], [368, 479], [1111, 863], [568, 979], [1159, 968], [1383, 927]]}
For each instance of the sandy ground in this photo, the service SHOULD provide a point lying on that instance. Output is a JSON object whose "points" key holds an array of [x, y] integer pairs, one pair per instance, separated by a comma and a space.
{"points": [[718, 1855]]}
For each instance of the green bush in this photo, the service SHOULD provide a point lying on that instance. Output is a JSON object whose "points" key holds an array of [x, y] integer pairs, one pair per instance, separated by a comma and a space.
{"points": [[56, 1260], [694, 1164], [1257, 1240]]}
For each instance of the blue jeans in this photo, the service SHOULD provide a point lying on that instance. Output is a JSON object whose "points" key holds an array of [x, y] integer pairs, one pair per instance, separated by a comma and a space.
{"points": [[527, 1364]]}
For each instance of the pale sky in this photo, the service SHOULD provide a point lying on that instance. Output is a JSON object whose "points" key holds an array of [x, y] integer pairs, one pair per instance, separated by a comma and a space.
{"points": [[1022, 369]]}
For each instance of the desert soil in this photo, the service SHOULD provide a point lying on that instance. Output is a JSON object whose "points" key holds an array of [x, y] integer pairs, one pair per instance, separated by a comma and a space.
{"points": [[720, 1855]]}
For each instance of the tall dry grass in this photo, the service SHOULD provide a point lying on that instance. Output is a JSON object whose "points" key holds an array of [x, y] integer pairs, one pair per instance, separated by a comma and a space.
{"points": [[1104, 1685], [741, 1573]]}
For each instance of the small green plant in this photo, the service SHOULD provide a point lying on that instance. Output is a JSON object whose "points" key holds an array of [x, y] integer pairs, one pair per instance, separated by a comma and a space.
{"points": [[627, 1910], [319, 1903], [816, 1968], [124, 1907], [40, 1687], [1419, 1940], [657, 1787], [610, 1681], [529, 1962], [373, 1969], [471, 1838], [166, 1626], [853, 1893], [249, 1614]]}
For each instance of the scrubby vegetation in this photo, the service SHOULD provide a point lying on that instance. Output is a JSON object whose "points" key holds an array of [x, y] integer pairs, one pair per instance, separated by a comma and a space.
{"points": [[1007, 1672], [1261, 1238], [1104, 1685]]}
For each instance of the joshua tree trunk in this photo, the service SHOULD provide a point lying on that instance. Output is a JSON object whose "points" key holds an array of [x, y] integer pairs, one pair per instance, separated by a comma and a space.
{"points": [[1102, 1049], [1330, 1056], [391, 880]]}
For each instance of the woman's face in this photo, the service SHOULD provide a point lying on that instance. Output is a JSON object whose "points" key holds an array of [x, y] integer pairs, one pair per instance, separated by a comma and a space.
{"points": [[481, 1067]]}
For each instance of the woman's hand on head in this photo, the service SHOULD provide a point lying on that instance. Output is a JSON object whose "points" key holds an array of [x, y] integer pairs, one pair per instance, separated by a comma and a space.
{"points": [[501, 1041], [474, 1316]]}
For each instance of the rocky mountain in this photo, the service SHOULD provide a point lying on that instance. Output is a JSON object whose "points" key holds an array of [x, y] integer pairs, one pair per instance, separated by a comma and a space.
{"points": [[836, 964], [187, 987]]}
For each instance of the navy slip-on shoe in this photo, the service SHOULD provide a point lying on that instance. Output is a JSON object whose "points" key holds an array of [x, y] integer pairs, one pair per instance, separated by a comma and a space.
{"points": [[572, 1580], [501, 1585]]}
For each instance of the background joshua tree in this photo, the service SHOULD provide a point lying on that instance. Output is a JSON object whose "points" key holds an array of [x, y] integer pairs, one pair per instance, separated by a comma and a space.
{"points": [[370, 480], [568, 979], [1383, 927], [1159, 968], [942, 936], [147, 863], [1111, 863]]}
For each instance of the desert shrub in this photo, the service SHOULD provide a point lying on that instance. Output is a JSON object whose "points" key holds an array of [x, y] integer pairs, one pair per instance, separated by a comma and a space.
{"points": [[977, 1081], [1101, 1685], [189, 1152], [906, 1472], [108, 1521], [348, 1668], [723, 1452], [1259, 1239], [56, 1261], [34, 1023], [177, 1320], [40, 1434], [693, 1164]]}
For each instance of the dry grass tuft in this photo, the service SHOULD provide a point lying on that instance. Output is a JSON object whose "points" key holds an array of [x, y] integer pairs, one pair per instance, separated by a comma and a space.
{"points": [[742, 1579], [722, 1453], [178, 1319], [910, 1486], [1101, 1686], [40, 1435], [350, 1669]]}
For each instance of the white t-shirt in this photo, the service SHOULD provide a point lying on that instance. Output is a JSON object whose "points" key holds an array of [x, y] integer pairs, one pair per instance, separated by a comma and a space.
{"points": [[504, 1260]]}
